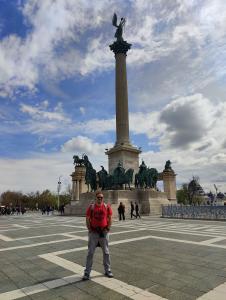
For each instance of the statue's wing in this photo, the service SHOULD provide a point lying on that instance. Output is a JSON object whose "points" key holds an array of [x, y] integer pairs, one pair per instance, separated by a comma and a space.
{"points": [[114, 20]]}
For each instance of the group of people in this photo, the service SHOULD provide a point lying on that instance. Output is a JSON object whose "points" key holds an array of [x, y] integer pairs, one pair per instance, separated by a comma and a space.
{"points": [[134, 208], [137, 211], [47, 210], [98, 222], [50, 209], [8, 210]]}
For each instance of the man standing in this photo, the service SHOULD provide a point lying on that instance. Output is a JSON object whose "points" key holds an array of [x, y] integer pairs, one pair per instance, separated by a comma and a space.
{"points": [[121, 211], [98, 222]]}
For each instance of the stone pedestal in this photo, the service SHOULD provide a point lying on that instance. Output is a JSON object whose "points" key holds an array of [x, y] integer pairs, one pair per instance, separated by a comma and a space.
{"points": [[150, 202], [78, 183], [169, 184], [127, 155]]}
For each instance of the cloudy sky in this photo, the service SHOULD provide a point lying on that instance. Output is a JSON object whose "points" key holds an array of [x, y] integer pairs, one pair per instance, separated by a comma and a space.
{"points": [[57, 87]]}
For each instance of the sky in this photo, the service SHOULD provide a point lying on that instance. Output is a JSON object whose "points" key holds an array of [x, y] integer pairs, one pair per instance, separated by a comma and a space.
{"points": [[57, 96]]}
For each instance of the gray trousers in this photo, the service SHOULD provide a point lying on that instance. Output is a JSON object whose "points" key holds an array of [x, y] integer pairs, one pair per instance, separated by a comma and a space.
{"points": [[92, 243]]}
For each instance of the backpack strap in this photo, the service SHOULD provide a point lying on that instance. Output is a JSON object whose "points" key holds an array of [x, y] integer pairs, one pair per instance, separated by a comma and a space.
{"points": [[92, 208]]}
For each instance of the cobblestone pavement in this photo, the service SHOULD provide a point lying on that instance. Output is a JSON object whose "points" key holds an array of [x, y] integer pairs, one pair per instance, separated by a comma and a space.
{"points": [[42, 257]]}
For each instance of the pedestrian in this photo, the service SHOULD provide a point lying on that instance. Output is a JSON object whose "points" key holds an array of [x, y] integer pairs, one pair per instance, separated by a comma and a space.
{"points": [[18, 210], [132, 210], [48, 209], [98, 222], [121, 211], [137, 210], [62, 209]]}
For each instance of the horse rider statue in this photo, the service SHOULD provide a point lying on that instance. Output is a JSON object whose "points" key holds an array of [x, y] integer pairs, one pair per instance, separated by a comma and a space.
{"points": [[90, 176], [102, 176]]}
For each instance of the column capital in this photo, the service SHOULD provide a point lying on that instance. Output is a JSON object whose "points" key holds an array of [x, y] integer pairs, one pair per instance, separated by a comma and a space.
{"points": [[120, 47]]}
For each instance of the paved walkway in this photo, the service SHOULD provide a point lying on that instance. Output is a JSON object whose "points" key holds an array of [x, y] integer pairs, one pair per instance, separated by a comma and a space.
{"points": [[42, 257]]}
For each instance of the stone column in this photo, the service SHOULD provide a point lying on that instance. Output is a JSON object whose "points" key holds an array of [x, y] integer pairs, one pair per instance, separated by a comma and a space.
{"points": [[78, 182], [77, 190], [73, 190], [80, 186], [169, 184], [122, 151], [121, 92], [122, 116]]}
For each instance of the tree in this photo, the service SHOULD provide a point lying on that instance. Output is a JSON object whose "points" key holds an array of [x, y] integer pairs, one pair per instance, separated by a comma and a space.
{"points": [[9, 198], [47, 199], [182, 194]]}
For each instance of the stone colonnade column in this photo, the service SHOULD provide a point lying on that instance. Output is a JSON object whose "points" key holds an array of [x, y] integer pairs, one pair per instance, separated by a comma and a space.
{"points": [[169, 184], [78, 182]]}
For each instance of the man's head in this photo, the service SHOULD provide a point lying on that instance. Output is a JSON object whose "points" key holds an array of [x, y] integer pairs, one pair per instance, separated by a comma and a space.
{"points": [[99, 198]]}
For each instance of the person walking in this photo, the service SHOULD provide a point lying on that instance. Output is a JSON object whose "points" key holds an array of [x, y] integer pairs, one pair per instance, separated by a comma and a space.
{"points": [[137, 210], [132, 210], [121, 211], [98, 222]]}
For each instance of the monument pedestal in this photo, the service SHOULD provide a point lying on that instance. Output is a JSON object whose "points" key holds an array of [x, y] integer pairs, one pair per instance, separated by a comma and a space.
{"points": [[149, 201], [126, 154]]}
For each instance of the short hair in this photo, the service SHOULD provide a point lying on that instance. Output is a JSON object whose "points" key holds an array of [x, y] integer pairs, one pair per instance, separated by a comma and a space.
{"points": [[98, 192]]}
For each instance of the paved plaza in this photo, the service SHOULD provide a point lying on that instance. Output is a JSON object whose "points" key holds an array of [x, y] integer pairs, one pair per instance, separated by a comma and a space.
{"points": [[42, 257]]}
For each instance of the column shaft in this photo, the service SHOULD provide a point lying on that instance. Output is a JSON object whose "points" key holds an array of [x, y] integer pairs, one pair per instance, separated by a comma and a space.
{"points": [[122, 116], [77, 190]]}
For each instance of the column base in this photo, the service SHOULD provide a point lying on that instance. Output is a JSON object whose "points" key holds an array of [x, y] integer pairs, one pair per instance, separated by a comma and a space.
{"points": [[126, 154]]}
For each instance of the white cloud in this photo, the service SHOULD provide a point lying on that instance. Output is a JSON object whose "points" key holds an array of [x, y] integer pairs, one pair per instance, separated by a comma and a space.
{"points": [[187, 120], [82, 144], [38, 112], [54, 24], [82, 110], [203, 156], [46, 168], [52, 47]]}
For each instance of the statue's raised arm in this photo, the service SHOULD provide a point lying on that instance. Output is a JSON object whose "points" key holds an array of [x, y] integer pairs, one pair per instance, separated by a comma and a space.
{"points": [[119, 30]]}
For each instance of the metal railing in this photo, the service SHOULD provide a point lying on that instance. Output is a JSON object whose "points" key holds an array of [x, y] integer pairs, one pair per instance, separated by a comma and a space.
{"points": [[206, 212]]}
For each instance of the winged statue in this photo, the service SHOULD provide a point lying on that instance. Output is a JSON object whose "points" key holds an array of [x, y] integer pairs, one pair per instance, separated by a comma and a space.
{"points": [[119, 30]]}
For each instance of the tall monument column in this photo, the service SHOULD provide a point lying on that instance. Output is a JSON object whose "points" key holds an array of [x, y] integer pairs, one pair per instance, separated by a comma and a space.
{"points": [[122, 114], [122, 151]]}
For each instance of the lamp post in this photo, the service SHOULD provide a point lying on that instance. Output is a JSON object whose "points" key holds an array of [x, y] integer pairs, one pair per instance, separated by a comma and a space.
{"points": [[58, 192]]}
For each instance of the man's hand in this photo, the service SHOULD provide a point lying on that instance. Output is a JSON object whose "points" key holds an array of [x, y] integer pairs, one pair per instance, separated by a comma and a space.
{"points": [[88, 224], [107, 228]]}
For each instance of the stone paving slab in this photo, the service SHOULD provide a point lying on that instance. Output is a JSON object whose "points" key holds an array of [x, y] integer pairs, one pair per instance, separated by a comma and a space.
{"points": [[152, 258]]}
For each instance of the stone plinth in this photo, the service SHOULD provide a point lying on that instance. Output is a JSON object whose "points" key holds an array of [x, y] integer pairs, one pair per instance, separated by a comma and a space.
{"points": [[169, 184], [149, 201], [78, 183], [127, 155]]}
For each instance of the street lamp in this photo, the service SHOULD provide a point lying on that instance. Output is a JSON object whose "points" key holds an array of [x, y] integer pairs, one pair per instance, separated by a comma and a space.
{"points": [[58, 192]]}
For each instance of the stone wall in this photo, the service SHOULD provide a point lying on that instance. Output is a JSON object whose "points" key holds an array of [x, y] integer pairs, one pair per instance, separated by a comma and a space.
{"points": [[149, 201]]}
